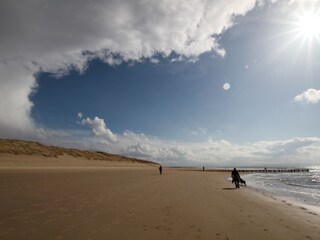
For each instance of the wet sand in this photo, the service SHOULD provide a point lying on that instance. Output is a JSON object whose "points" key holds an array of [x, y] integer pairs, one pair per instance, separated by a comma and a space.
{"points": [[138, 203]]}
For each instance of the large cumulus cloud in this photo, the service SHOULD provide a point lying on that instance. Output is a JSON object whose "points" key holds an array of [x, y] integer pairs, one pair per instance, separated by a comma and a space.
{"points": [[55, 36]]}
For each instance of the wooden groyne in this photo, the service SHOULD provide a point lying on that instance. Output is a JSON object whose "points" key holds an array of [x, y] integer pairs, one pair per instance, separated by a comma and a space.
{"points": [[265, 170]]}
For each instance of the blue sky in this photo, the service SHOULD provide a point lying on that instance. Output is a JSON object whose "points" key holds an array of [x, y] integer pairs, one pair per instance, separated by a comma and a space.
{"points": [[155, 88]]}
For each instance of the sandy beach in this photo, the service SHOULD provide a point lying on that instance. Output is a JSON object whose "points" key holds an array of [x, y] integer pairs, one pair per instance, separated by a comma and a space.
{"points": [[137, 203]]}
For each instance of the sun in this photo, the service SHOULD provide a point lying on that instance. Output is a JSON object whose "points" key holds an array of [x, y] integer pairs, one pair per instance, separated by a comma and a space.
{"points": [[308, 25]]}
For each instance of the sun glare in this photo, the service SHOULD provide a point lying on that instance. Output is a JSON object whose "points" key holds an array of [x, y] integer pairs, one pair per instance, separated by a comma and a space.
{"points": [[308, 25]]}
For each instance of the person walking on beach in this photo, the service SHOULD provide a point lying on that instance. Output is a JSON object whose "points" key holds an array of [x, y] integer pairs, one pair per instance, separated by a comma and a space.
{"points": [[235, 177], [160, 170]]}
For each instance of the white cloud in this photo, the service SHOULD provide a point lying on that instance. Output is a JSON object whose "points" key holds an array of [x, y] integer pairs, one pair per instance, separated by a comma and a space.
{"points": [[200, 132], [99, 128], [80, 115], [17, 83], [56, 36], [309, 96], [154, 60], [296, 151]]}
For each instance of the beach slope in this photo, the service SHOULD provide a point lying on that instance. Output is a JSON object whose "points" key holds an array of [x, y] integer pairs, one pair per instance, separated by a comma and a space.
{"points": [[138, 203]]}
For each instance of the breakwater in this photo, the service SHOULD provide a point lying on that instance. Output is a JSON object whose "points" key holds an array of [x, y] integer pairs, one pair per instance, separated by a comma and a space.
{"points": [[258, 170]]}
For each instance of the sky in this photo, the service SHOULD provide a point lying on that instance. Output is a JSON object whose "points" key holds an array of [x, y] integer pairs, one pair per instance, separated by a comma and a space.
{"points": [[222, 83]]}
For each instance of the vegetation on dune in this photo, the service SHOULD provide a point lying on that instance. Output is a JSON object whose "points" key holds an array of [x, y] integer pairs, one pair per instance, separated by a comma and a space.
{"points": [[21, 147]]}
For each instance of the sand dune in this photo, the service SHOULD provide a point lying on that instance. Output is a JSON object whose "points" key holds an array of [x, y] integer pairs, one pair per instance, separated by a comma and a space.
{"points": [[19, 153]]}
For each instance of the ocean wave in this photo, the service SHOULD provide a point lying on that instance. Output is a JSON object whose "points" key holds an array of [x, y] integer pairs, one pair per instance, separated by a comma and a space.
{"points": [[300, 187]]}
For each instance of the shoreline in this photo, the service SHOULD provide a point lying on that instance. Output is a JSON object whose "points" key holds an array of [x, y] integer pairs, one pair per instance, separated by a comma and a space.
{"points": [[274, 193], [311, 209]]}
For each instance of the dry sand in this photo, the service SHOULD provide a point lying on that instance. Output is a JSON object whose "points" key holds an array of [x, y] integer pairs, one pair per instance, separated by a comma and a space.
{"points": [[138, 203]]}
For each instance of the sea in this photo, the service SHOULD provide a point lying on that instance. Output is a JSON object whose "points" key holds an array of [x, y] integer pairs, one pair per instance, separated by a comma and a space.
{"points": [[302, 188]]}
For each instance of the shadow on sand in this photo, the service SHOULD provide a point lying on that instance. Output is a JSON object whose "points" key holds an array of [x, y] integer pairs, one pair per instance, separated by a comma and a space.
{"points": [[228, 188]]}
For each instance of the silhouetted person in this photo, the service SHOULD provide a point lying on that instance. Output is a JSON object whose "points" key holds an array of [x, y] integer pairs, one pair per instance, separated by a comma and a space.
{"points": [[235, 177], [160, 169], [202, 168]]}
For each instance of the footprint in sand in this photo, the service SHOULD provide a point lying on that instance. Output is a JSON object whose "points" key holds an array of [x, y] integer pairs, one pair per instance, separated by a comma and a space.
{"points": [[157, 227], [313, 213], [222, 236]]}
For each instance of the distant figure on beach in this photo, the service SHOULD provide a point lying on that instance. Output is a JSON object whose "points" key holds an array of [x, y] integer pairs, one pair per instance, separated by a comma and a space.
{"points": [[160, 170], [203, 168], [235, 177]]}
